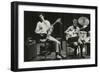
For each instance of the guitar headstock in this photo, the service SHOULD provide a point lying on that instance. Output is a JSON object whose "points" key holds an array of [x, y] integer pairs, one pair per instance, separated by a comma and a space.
{"points": [[58, 20]]}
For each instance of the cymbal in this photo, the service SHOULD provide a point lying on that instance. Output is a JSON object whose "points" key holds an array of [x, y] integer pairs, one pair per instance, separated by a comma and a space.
{"points": [[83, 21]]}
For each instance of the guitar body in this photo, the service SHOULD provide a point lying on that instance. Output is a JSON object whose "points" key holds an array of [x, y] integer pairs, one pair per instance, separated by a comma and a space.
{"points": [[50, 30], [43, 35], [71, 34]]}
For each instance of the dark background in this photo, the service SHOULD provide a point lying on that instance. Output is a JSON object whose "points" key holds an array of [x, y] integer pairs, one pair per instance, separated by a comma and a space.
{"points": [[31, 19], [30, 22]]}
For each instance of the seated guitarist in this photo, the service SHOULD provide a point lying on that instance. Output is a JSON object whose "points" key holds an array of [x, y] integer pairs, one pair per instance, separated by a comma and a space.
{"points": [[72, 36], [44, 29]]}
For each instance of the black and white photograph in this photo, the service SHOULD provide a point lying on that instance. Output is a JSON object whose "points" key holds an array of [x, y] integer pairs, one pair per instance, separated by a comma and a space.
{"points": [[53, 36], [56, 36]]}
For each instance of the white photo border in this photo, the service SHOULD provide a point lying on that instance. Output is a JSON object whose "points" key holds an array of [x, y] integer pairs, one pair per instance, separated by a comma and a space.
{"points": [[37, 64]]}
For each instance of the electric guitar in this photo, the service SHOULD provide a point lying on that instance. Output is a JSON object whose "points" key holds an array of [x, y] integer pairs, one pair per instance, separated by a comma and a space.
{"points": [[73, 33], [49, 31]]}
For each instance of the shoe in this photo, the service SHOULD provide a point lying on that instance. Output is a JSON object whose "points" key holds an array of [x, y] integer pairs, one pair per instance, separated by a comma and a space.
{"points": [[58, 57], [82, 56]]}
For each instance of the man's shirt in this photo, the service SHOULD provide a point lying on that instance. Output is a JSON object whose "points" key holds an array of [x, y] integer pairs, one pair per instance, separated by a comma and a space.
{"points": [[72, 31], [42, 27]]}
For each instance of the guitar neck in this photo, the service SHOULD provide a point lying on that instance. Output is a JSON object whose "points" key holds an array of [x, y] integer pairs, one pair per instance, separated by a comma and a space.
{"points": [[54, 23], [49, 30], [83, 28]]}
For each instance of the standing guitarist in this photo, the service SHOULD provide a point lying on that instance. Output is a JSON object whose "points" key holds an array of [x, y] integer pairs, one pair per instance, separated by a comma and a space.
{"points": [[44, 29]]}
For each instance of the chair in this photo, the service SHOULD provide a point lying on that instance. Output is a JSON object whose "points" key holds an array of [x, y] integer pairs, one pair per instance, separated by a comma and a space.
{"points": [[72, 46], [41, 47]]}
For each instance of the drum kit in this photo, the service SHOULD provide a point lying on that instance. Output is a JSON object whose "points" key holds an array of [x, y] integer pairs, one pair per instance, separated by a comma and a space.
{"points": [[84, 22]]}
